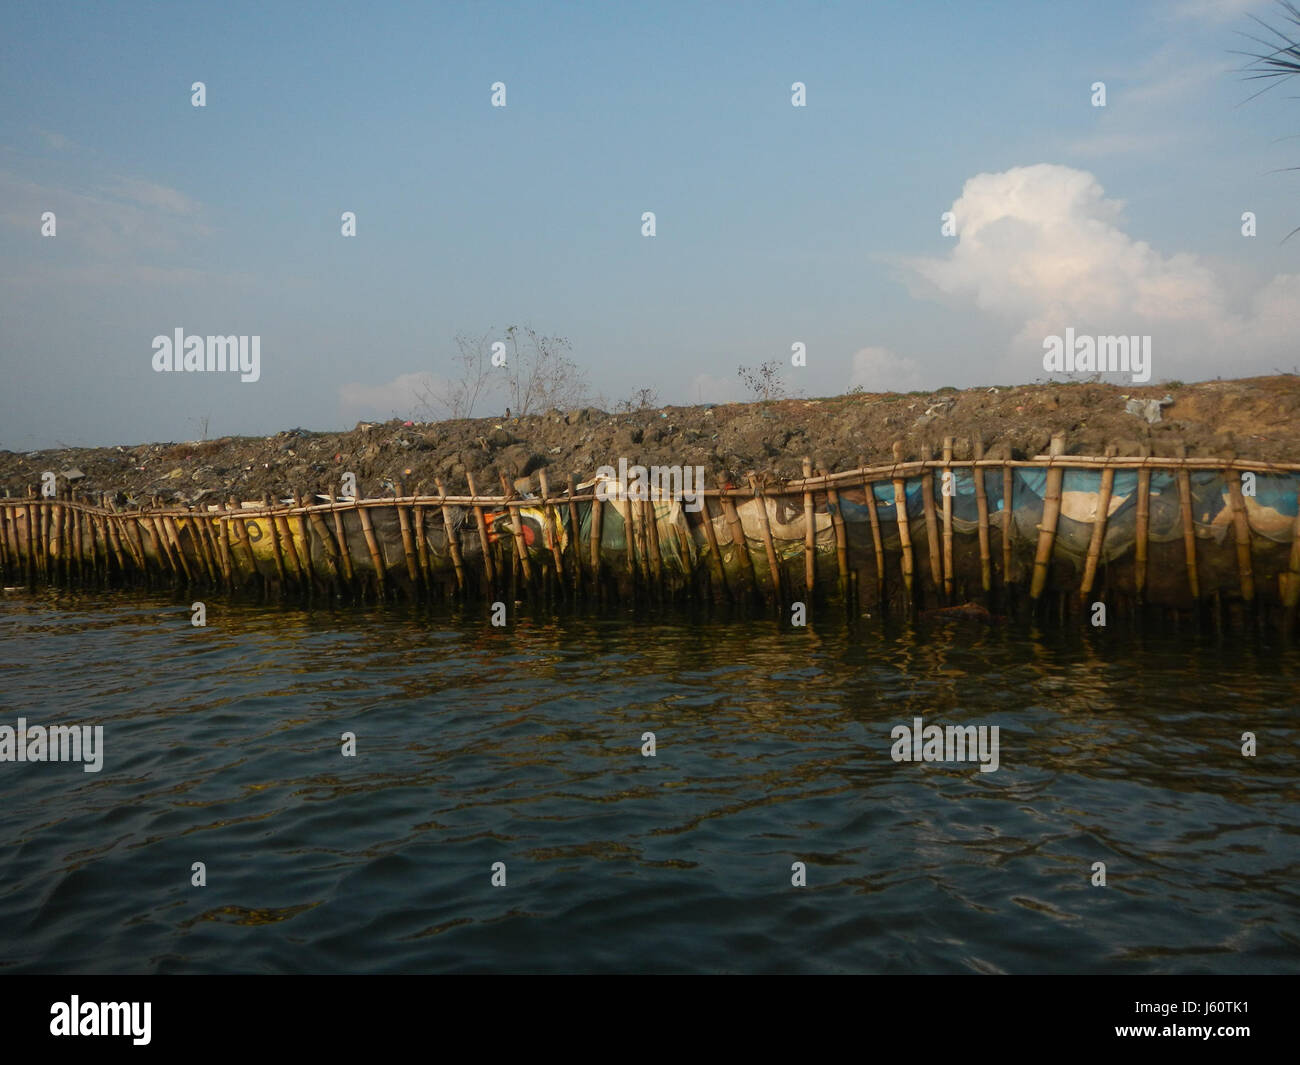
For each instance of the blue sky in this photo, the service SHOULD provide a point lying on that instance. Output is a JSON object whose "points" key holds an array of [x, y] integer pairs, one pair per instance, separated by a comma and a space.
{"points": [[775, 224]]}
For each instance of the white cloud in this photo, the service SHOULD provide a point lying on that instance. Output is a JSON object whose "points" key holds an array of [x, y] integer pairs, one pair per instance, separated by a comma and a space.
{"points": [[400, 397], [880, 370], [1042, 248]]}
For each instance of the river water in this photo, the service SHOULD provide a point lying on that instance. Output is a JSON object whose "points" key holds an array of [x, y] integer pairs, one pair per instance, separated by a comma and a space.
{"points": [[523, 745]]}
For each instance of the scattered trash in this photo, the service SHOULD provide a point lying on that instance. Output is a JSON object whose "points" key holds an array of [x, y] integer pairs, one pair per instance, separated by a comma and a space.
{"points": [[72, 475], [1148, 408]]}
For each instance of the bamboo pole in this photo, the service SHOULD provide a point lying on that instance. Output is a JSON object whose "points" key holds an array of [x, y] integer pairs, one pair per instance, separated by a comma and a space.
{"points": [[281, 568], [904, 528], [299, 567], [769, 546], [841, 541], [949, 479], [408, 539], [1098, 530], [809, 535], [1143, 531], [982, 506], [221, 537], [575, 536], [597, 517], [1051, 514], [57, 553], [551, 526], [340, 531], [304, 534], [741, 545], [242, 539], [376, 559], [517, 527], [199, 533], [453, 539], [931, 524], [1241, 525], [1291, 586], [328, 546], [1189, 527], [655, 550], [488, 567], [715, 554]]}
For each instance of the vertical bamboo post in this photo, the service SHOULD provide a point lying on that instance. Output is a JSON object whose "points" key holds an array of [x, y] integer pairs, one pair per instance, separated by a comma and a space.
{"points": [[372, 544], [277, 551], [552, 532], [949, 489], [59, 568], [328, 546], [299, 566], [1241, 524], [904, 527], [1098, 527], [199, 531], [1189, 526], [575, 536], [931, 522], [517, 527], [345, 552], [488, 568], [982, 506], [1008, 520], [719, 574], [809, 534], [739, 543], [877, 541], [1143, 531], [841, 539], [453, 538], [597, 517], [408, 539], [774, 570], [1051, 514], [1291, 586], [304, 536], [653, 547]]}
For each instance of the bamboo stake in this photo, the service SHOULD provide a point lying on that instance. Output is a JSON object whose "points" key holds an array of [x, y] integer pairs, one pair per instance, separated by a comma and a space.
{"points": [[304, 556], [221, 535], [340, 531], [60, 569], [453, 539], [950, 481], [376, 559], [652, 544], [904, 527], [174, 539], [1143, 530], [765, 525], [877, 540], [1051, 514], [242, 539], [1189, 528], [715, 553], [280, 567], [408, 540], [296, 565], [931, 525], [488, 567], [982, 505], [575, 535], [551, 527], [1098, 530], [1291, 586], [1241, 524], [328, 546], [841, 541], [517, 526], [809, 535], [597, 516], [422, 546], [199, 532], [740, 544]]}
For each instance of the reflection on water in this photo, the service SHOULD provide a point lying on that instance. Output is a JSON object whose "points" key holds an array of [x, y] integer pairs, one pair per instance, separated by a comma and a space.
{"points": [[478, 745]]}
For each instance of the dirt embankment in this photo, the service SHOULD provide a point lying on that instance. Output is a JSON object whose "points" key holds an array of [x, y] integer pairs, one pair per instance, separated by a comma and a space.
{"points": [[1252, 418]]}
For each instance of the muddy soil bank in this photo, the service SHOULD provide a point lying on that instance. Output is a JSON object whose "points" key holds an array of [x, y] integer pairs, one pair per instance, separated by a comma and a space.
{"points": [[1250, 418]]}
